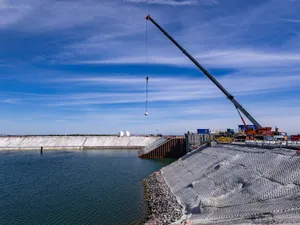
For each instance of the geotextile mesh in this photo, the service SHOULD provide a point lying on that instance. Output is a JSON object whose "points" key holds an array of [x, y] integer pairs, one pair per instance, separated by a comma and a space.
{"points": [[229, 184]]}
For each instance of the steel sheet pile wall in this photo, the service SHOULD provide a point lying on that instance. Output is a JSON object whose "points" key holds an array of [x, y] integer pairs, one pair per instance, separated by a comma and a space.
{"points": [[173, 148], [229, 184], [152, 146]]}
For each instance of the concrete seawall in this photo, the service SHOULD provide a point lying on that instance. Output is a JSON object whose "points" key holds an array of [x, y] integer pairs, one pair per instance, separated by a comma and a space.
{"points": [[71, 142]]}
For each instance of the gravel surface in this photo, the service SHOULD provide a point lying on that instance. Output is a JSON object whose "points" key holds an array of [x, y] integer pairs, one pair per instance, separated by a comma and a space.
{"points": [[162, 204]]}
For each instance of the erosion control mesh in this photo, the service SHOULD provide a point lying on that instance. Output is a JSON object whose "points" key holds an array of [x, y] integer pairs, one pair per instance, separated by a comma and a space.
{"points": [[228, 184]]}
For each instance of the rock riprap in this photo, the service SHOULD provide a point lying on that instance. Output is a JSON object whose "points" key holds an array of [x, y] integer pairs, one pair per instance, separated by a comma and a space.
{"points": [[162, 204]]}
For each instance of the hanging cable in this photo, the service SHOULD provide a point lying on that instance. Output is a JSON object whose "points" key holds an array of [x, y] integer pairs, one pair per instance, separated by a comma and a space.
{"points": [[146, 106], [146, 52], [146, 45]]}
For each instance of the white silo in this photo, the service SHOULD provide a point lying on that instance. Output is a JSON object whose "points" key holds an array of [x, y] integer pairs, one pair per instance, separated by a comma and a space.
{"points": [[127, 133], [121, 134]]}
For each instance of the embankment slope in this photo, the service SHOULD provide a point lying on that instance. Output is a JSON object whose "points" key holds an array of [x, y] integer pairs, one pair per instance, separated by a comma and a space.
{"points": [[228, 184]]}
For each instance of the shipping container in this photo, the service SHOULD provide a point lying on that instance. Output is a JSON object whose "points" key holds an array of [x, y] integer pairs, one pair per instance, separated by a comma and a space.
{"points": [[243, 128], [268, 138], [295, 137], [202, 131], [230, 131]]}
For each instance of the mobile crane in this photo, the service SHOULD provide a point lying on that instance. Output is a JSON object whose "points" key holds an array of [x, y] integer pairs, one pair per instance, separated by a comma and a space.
{"points": [[260, 131]]}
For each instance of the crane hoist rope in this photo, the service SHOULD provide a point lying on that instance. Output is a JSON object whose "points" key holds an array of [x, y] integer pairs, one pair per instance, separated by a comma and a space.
{"points": [[146, 106], [146, 52], [146, 42]]}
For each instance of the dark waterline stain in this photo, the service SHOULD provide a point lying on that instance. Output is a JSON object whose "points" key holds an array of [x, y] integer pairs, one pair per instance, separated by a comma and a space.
{"points": [[74, 187]]}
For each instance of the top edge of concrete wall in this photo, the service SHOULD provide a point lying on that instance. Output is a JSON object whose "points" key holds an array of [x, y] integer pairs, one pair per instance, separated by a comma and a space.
{"points": [[79, 135], [56, 135]]}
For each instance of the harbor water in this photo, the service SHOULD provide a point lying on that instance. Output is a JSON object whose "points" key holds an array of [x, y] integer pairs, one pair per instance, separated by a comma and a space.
{"points": [[74, 187]]}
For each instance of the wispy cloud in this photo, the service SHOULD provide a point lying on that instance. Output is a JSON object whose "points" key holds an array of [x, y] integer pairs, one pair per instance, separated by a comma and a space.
{"points": [[93, 62], [229, 58], [11, 13], [131, 89], [175, 2], [217, 41], [291, 20], [5, 5], [10, 101], [255, 81]]}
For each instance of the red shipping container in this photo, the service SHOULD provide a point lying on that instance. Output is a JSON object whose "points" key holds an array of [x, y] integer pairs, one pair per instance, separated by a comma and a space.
{"points": [[295, 137]]}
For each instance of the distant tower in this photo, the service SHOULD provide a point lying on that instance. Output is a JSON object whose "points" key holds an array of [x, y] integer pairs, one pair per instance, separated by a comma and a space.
{"points": [[127, 134], [121, 134]]}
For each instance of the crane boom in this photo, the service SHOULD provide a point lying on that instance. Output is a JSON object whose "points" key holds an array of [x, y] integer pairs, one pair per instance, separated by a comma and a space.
{"points": [[228, 95]]}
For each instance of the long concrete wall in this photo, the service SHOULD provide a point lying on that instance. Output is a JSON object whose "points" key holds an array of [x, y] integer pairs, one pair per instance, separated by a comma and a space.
{"points": [[75, 142]]}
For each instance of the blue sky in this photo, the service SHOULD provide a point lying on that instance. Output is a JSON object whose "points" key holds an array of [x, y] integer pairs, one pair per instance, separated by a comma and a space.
{"points": [[80, 67]]}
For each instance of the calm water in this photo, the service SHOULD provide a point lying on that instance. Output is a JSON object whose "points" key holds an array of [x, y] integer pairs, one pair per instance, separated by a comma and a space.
{"points": [[74, 187]]}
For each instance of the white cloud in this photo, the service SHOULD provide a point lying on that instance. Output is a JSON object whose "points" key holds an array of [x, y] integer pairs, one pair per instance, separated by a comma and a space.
{"points": [[250, 39], [291, 20], [11, 13], [5, 6], [182, 86], [174, 2], [10, 101], [242, 58], [47, 16], [218, 41]]}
